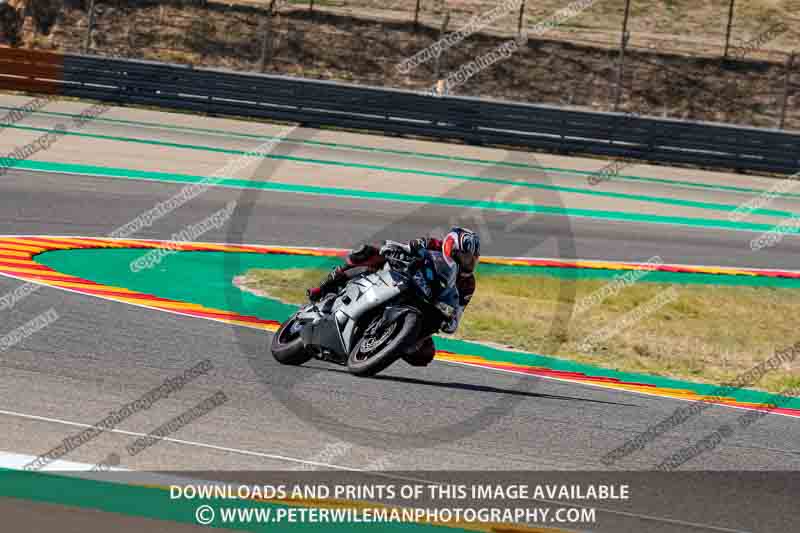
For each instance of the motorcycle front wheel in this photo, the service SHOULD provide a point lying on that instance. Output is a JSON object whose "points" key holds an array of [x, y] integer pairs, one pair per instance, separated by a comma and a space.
{"points": [[287, 346], [382, 344]]}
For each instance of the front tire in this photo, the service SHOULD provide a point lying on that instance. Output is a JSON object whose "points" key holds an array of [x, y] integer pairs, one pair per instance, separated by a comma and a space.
{"points": [[287, 346], [382, 344]]}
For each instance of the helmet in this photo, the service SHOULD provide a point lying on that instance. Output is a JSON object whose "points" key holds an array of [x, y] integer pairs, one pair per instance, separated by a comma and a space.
{"points": [[462, 247]]}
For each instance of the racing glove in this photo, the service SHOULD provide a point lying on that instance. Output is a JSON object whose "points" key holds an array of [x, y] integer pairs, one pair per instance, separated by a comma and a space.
{"points": [[451, 325], [452, 316], [418, 245]]}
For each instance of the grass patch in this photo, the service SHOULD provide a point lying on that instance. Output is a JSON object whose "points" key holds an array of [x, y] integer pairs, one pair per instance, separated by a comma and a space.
{"points": [[705, 333]]}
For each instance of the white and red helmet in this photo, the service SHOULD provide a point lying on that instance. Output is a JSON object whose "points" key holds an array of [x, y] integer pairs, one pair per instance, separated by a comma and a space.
{"points": [[462, 247]]}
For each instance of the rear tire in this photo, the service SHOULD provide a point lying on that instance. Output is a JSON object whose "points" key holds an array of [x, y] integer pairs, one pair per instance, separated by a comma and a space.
{"points": [[374, 353], [287, 346]]}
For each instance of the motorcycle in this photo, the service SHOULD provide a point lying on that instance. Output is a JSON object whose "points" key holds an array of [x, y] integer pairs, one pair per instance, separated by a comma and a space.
{"points": [[374, 320]]}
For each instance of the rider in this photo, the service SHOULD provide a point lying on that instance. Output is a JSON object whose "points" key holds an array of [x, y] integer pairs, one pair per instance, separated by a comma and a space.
{"points": [[459, 253]]}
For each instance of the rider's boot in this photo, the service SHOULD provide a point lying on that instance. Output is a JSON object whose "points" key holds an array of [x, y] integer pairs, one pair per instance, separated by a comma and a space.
{"points": [[329, 285], [362, 255], [422, 353]]}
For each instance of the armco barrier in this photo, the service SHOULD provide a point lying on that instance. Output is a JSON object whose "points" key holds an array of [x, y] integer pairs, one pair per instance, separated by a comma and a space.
{"points": [[472, 120]]}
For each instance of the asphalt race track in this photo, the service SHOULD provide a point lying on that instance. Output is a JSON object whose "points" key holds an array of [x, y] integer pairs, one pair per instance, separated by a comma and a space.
{"points": [[101, 354]]}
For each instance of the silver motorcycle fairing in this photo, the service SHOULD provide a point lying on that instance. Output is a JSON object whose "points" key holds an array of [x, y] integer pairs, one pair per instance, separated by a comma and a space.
{"points": [[334, 331], [362, 295]]}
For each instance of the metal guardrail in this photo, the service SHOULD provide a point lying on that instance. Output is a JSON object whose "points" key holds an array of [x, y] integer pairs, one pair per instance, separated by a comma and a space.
{"points": [[472, 120]]}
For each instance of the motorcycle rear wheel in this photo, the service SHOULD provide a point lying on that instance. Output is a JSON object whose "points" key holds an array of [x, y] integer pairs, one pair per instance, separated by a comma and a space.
{"points": [[287, 346], [382, 344]]}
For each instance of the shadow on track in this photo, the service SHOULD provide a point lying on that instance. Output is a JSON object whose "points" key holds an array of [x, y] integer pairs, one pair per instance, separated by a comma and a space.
{"points": [[469, 387]]}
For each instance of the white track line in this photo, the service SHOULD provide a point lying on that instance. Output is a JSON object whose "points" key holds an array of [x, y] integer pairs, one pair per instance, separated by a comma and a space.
{"points": [[16, 461], [181, 441], [508, 257]]}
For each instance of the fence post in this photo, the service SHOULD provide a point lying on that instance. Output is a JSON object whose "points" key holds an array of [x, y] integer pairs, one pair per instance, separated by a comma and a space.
{"points": [[266, 39], [521, 16], [416, 16], [89, 26], [130, 32], [443, 29], [623, 45], [786, 84], [728, 30]]}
